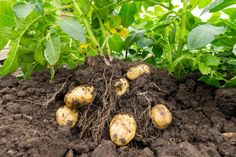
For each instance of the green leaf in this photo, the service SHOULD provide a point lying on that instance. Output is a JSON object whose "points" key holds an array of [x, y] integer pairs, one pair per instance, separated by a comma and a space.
{"points": [[210, 81], [144, 42], [231, 82], [66, 1], [73, 29], [212, 60], [3, 42], [27, 69], [6, 14], [103, 7], [204, 69], [231, 12], [203, 3], [84, 6], [23, 9], [215, 17], [218, 5], [53, 49], [11, 63], [116, 43], [204, 34], [234, 50], [127, 14], [38, 53]]}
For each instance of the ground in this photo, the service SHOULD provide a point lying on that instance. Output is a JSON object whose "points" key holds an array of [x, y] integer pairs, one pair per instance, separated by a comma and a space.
{"points": [[200, 115]]}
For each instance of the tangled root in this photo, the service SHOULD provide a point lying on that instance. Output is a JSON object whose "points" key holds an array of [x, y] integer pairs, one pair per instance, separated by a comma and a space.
{"points": [[94, 119]]}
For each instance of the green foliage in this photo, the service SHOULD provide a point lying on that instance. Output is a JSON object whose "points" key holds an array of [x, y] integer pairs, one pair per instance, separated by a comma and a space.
{"points": [[127, 13], [50, 34], [73, 29], [53, 49], [23, 9], [7, 18], [203, 34]]}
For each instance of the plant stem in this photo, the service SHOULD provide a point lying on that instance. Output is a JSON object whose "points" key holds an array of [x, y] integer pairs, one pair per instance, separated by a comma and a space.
{"points": [[106, 37], [87, 26], [182, 28], [91, 34]]}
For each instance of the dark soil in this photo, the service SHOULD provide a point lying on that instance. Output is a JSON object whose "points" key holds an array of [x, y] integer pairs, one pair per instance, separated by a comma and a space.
{"points": [[200, 115]]}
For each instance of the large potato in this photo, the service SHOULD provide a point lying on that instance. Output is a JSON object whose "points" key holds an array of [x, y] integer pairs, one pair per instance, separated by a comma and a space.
{"points": [[121, 86], [66, 116], [80, 96], [135, 72], [122, 129], [161, 116]]}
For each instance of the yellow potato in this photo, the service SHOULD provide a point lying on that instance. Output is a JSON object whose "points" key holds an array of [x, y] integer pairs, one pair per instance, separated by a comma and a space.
{"points": [[122, 129], [121, 86], [135, 72], [161, 116], [80, 96], [66, 116]]}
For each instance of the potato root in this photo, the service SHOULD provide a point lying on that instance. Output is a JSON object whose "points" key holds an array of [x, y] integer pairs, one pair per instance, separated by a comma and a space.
{"points": [[79, 96], [161, 116], [135, 72], [122, 129], [121, 86], [66, 116]]}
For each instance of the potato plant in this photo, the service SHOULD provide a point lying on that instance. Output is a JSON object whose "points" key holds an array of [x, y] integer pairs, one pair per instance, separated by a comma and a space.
{"points": [[44, 34]]}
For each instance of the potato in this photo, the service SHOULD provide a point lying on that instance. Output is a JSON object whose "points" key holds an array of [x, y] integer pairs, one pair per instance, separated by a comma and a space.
{"points": [[121, 86], [122, 129], [161, 116], [135, 72], [229, 135], [66, 116], [80, 96]]}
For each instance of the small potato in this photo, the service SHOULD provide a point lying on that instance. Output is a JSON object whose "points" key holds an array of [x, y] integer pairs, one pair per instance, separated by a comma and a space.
{"points": [[122, 129], [121, 86], [229, 135], [66, 116], [79, 96], [161, 116], [135, 72]]}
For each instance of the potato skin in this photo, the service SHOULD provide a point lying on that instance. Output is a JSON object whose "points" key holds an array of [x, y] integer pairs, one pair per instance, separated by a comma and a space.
{"points": [[135, 72], [121, 86], [161, 116], [79, 96], [66, 116], [122, 129]]}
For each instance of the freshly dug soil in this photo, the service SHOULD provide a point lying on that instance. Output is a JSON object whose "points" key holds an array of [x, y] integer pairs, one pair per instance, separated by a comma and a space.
{"points": [[200, 115]]}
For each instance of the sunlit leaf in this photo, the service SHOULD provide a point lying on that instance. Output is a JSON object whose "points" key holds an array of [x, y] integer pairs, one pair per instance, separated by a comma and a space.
{"points": [[6, 14], [204, 34], [73, 29], [218, 5], [127, 14], [11, 63], [53, 49], [116, 43], [23, 9]]}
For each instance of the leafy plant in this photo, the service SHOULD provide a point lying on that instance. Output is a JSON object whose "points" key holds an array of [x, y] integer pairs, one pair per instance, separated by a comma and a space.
{"points": [[45, 34]]}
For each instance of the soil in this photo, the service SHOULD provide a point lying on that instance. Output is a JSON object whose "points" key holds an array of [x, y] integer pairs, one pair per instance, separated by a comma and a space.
{"points": [[200, 115]]}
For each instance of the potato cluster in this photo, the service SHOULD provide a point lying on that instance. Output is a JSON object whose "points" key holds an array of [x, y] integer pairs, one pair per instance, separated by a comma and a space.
{"points": [[80, 96], [122, 127]]}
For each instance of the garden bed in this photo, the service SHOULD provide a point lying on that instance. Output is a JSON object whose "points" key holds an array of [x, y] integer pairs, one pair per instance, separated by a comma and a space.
{"points": [[200, 115]]}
